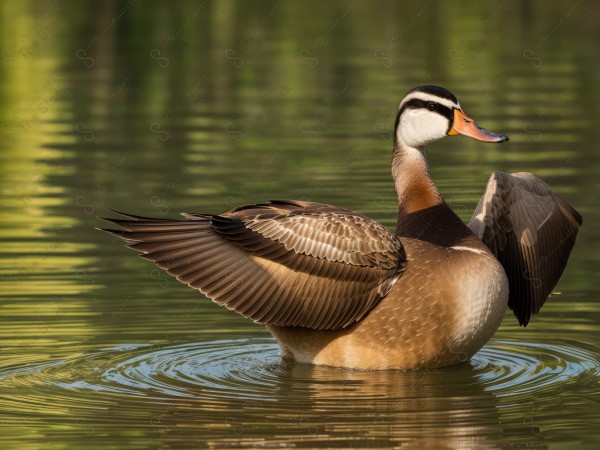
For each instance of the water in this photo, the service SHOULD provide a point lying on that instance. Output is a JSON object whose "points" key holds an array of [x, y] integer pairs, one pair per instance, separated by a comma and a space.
{"points": [[235, 393], [204, 106]]}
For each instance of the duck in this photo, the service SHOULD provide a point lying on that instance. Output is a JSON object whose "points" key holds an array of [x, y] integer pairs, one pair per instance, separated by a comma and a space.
{"points": [[336, 288]]}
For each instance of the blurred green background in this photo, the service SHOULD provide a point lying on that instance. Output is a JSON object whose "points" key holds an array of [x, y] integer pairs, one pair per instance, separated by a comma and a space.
{"points": [[160, 107]]}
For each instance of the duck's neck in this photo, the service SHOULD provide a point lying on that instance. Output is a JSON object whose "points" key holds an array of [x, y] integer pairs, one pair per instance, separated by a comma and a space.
{"points": [[422, 213], [414, 187]]}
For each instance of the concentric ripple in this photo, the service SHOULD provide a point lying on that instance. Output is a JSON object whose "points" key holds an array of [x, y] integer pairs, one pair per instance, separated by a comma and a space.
{"points": [[233, 393], [250, 369], [511, 368], [222, 368]]}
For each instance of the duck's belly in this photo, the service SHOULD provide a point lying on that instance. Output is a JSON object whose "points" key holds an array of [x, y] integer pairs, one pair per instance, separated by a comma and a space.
{"points": [[438, 314]]}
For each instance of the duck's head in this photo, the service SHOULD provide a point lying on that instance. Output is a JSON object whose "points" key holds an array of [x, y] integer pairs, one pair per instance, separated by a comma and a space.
{"points": [[429, 113]]}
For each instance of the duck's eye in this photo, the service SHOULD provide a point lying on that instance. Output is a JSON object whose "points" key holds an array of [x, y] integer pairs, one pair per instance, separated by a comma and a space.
{"points": [[431, 106]]}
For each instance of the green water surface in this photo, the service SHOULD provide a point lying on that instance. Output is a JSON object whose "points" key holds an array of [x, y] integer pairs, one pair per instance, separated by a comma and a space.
{"points": [[157, 108]]}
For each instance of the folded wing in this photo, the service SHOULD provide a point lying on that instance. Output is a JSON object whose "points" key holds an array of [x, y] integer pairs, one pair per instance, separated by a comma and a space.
{"points": [[531, 231], [286, 263]]}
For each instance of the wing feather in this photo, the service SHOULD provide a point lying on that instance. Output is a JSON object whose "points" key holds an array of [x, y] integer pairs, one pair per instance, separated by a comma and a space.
{"points": [[531, 231], [286, 263]]}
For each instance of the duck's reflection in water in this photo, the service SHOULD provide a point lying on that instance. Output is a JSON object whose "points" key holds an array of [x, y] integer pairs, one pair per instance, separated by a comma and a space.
{"points": [[322, 407], [446, 408]]}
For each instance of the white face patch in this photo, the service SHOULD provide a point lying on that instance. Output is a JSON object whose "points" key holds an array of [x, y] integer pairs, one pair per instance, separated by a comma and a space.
{"points": [[420, 126]]}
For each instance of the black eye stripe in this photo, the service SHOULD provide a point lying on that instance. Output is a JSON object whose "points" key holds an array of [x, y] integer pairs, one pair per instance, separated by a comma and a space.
{"points": [[415, 103]]}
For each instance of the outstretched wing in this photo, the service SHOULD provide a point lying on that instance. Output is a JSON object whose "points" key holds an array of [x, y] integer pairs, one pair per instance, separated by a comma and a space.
{"points": [[286, 263], [531, 231]]}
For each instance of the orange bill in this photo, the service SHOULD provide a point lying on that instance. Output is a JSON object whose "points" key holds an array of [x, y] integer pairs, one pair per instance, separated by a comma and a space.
{"points": [[468, 127]]}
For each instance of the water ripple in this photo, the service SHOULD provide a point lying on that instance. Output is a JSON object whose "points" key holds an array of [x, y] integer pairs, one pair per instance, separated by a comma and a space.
{"points": [[250, 369]]}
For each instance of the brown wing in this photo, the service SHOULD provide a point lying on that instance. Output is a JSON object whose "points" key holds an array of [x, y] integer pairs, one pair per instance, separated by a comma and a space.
{"points": [[531, 231], [283, 263]]}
